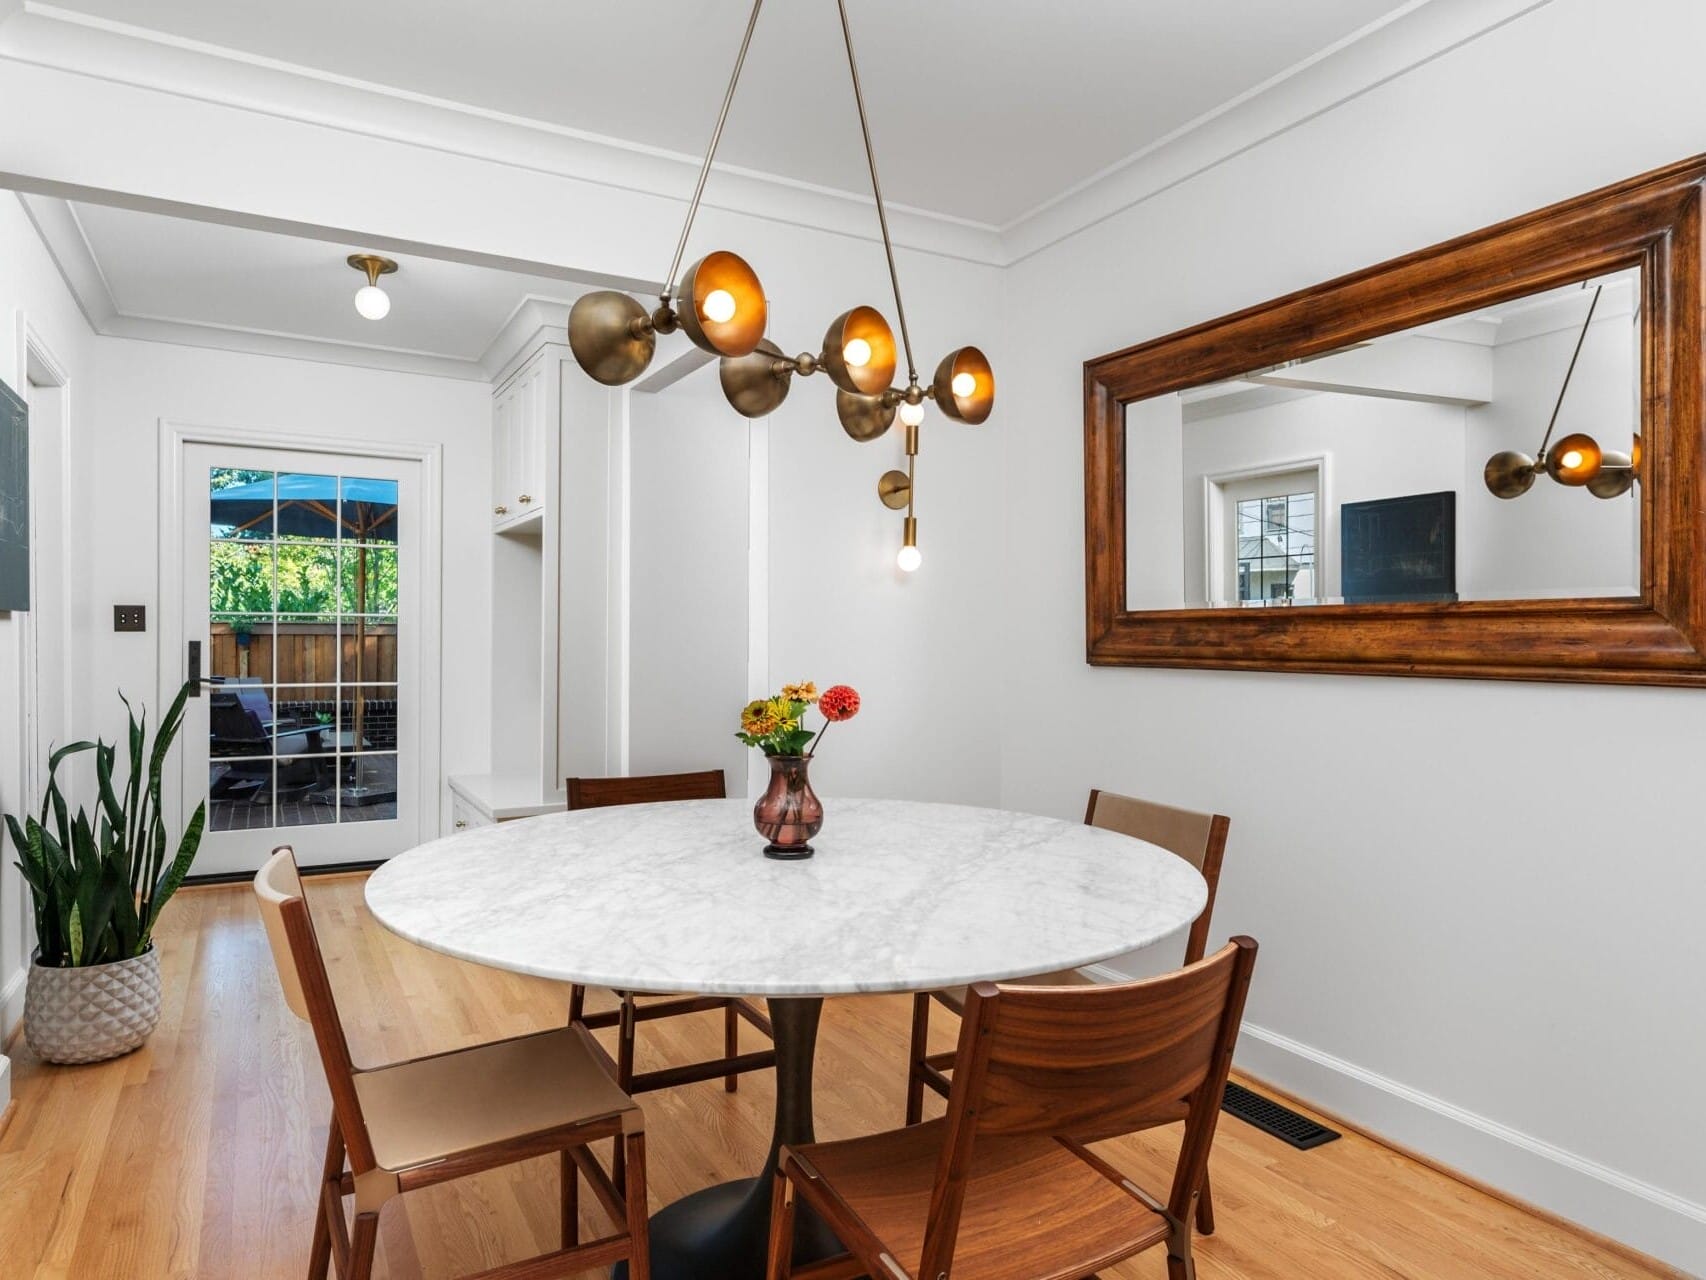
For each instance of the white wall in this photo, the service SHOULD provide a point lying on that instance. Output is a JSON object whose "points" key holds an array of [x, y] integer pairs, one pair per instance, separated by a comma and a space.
{"points": [[689, 608], [1374, 448], [30, 291], [1479, 904], [117, 554]]}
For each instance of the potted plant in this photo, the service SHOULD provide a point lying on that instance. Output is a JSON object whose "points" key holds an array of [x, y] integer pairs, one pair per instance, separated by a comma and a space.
{"points": [[789, 813], [98, 884]]}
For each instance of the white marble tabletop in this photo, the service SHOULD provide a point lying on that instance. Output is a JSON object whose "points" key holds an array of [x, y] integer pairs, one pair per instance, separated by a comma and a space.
{"points": [[901, 896]]}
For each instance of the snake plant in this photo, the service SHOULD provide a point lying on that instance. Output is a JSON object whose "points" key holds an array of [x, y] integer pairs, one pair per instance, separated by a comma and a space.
{"points": [[99, 882]]}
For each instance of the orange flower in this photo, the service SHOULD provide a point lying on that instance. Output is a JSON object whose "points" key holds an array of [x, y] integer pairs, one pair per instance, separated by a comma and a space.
{"points": [[761, 718], [839, 702], [805, 691]]}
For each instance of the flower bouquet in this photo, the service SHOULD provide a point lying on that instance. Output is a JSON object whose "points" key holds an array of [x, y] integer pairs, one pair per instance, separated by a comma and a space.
{"points": [[789, 813]]}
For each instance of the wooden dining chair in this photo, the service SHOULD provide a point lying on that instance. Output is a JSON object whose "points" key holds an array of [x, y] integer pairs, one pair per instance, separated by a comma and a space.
{"points": [[635, 1007], [1002, 1187], [1198, 838], [428, 1120]]}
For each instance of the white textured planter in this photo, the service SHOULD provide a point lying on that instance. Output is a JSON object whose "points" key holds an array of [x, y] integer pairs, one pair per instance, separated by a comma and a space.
{"points": [[92, 1013]]}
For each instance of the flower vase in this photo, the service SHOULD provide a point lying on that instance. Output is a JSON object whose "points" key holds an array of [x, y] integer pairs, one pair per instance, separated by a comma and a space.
{"points": [[789, 813]]}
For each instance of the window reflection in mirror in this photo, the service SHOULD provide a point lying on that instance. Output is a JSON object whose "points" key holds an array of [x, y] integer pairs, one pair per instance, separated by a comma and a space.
{"points": [[1359, 476]]}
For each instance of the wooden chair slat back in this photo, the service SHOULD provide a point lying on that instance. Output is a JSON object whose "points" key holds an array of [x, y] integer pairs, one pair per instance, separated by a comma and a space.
{"points": [[308, 991], [1095, 1062], [1198, 838], [598, 793]]}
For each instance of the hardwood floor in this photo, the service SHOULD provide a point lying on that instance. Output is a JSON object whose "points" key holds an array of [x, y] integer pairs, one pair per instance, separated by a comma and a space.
{"points": [[197, 1156]]}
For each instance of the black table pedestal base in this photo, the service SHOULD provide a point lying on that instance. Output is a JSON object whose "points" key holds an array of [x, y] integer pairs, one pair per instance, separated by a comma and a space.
{"points": [[723, 1232]]}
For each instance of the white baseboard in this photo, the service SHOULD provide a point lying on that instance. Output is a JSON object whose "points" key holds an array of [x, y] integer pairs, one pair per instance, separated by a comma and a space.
{"points": [[1601, 1199], [12, 1004]]}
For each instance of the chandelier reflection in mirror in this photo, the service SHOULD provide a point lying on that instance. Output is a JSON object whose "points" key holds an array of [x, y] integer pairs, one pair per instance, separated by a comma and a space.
{"points": [[718, 303], [1576, 461]]}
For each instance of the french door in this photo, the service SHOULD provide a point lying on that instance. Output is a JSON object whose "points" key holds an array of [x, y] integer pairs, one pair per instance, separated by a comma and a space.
{"points": [[302, 605]]}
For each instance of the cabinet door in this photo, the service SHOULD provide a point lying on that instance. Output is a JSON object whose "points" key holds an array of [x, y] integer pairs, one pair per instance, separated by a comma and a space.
{"points": [[529, 442], [503, 429]]}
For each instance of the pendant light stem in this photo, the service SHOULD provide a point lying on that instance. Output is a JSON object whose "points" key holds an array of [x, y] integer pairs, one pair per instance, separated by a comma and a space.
{"points": [[1580, 338], [877, 191], [711, 153]]}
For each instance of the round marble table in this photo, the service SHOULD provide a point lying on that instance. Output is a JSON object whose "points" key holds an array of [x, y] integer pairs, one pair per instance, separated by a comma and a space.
{"points": [[678, 897]]}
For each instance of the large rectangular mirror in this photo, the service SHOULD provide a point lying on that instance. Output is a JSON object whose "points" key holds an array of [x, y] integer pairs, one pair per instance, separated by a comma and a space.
{"points": [[1478, 460], [1359, 476]]}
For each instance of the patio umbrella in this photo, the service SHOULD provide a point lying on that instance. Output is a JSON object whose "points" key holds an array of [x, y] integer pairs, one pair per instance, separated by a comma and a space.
{"points": [[308, 506]]}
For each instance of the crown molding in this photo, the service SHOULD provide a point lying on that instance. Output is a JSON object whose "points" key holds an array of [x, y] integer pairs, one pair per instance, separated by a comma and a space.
{"points": [[44, 35], [47, 36], [1407, 38], [1414, 34]]}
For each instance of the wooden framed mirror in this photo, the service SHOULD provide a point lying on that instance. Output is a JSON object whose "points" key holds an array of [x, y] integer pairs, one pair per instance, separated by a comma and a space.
{"points": [[1309, 484]]}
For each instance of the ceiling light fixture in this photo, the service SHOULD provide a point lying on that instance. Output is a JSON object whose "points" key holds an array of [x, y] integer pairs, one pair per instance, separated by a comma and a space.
{"points": [[719, 304], [1576, 461], [370, 300]]}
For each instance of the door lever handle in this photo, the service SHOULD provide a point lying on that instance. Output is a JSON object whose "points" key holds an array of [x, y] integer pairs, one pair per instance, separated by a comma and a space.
{"points": [[194, 673]]}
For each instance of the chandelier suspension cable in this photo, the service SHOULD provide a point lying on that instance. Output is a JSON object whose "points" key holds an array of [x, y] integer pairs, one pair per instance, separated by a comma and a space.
{"points": [[877, 191], [711, 152], [1570, 372]]}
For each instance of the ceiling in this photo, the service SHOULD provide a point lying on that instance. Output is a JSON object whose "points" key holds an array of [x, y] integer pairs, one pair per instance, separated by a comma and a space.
{"points": [[981, 111], [158, 267]]}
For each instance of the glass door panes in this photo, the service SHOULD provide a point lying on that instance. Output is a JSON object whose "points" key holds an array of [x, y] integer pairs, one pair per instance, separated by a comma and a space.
{"points": [[303, 705], [1276, 547]]}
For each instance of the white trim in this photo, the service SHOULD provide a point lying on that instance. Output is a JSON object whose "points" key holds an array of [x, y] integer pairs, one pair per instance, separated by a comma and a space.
{"points": [[1399, 42], [1410, 36], [173, 438], [12, 1003], [1664, 1224]]}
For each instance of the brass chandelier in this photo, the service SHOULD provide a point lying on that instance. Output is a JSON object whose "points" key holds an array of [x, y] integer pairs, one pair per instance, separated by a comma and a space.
{"points": [[1576, 461], [719, 304]]}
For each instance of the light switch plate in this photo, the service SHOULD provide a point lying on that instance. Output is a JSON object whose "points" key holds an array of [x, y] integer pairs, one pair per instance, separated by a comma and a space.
{"points": [[130, 617]]}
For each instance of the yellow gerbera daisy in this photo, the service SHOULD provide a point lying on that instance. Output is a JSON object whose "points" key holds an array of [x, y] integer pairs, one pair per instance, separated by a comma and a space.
{"points": [[760, 719]]}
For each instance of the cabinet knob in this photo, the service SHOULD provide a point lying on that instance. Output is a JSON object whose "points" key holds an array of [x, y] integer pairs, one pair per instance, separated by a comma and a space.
{"points": [[525, 498], [460, 823], [500, 511]]}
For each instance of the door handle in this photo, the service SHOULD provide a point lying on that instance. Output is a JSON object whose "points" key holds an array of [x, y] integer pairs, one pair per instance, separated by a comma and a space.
{"points": [[194, 673]]}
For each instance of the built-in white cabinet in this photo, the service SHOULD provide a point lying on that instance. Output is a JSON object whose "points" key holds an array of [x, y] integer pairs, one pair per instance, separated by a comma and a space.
{"points": [[525, 415], [553, 663]]}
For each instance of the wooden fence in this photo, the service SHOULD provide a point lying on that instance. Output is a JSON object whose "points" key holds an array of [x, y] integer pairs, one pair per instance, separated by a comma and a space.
{"points": [[307, 653]]}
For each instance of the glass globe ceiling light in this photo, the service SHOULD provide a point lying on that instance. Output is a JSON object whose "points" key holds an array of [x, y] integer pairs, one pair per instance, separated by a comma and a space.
{"points": [[370, 300], [719, 304], [1576, 461]]}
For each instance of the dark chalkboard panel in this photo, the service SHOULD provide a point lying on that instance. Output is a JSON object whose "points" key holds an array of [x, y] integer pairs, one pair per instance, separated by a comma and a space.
{"points": [[1399, 549], [14, 501]]}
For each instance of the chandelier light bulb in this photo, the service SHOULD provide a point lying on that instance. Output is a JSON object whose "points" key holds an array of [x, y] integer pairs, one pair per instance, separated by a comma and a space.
{"points": [[857, 353], [372, 302], [718, 307], [909, 559], [964, 384], [911, 414], [1572, 458]]}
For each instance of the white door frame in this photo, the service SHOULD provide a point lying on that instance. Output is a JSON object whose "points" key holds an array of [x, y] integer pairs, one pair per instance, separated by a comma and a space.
{"points": [[174, 437]]}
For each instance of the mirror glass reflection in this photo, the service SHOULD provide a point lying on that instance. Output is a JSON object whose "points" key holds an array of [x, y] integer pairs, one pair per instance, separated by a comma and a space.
{"points": [[1414, 467]]}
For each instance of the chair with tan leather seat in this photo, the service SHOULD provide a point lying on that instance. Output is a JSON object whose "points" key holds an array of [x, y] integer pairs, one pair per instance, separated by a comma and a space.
{"points": [[634, 1007], [1198, 838], [429, 1120], [1002, 1187]]}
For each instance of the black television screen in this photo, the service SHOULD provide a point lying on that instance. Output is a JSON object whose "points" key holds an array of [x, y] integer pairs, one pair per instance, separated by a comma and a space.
{"points": [[1399, 548]]}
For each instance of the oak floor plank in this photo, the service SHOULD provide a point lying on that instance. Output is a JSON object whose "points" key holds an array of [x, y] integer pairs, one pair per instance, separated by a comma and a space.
{"points": [[196, 1157]]}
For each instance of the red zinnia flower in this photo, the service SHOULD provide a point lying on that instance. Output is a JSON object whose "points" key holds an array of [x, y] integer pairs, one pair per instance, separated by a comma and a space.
{"points": [[839, 702]]}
